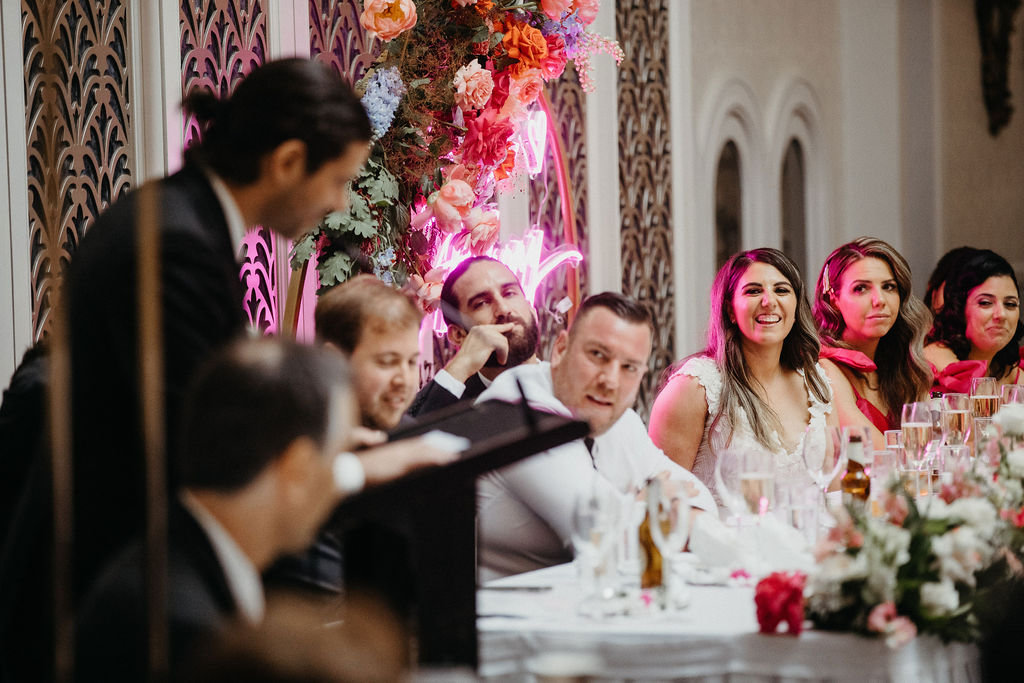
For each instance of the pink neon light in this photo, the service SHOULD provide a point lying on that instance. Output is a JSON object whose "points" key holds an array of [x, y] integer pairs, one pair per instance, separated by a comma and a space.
{"points": [[535, 134]]}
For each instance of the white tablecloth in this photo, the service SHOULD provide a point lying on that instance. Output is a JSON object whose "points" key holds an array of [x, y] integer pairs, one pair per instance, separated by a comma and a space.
{"points": [[715, 638]]}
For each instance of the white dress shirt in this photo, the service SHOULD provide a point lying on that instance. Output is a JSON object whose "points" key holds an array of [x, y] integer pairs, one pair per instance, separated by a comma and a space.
{"points": [[243, 580], [525, 509]]}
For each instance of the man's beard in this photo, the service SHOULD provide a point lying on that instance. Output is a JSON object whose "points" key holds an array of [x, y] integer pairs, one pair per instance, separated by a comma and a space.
{"points": [[521, 346]]}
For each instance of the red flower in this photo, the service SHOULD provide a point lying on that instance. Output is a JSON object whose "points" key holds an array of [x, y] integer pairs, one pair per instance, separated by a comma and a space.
{"points": [[780, 597], [486, 139], [553, 65]]}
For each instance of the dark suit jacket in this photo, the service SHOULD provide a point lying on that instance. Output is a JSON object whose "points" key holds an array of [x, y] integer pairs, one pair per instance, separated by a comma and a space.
{"points": [[433, 396], [112, 639], [202, 310]]}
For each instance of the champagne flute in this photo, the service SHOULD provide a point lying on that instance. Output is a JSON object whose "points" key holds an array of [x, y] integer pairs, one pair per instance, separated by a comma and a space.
{"points": [[956, 419], [757, 481], [984, 396], [1011, 393], [669, 533], [917, 434]]}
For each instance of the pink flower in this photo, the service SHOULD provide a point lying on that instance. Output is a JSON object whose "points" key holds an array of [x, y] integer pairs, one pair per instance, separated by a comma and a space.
{"points": [[901, 631], [449, 205], [502, 83], [896, 508], [464, 3], [428, 288], [845, 532], [898, 631], [881, 616], [553, 65], [780, 597], [487, 138], [388, 18], [586, 10], [1014, 516], [473, 86], [555, 8], [527, 86], [482, 230]]}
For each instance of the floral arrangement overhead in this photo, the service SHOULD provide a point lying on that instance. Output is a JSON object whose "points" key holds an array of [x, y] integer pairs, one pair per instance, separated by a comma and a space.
{"points": [[449, 97]]}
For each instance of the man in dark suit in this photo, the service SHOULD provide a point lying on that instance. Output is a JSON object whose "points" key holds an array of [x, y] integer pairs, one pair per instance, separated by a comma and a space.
{"points": [[279, 153], [263, 425], [492, 323]]}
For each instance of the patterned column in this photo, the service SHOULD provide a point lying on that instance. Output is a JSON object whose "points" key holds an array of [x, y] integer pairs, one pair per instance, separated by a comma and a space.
{"points": [[337, 38], [222, 41], [645, 173], [568, 110], [77, 121]]}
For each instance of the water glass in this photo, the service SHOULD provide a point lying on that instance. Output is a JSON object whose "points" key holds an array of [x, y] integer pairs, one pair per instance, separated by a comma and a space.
{"points": [[954, 459], [670, 527], [984, 431], [594, 531], [956, 419], [984, 396], [797, 504]]}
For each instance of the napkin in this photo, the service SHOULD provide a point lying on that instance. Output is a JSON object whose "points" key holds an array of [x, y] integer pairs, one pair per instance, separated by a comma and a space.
{"points": [[760, 548]]}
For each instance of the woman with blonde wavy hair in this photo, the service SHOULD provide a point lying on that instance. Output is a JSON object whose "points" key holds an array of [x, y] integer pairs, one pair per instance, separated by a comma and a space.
{"points": [[872, 332], [757, 384]]}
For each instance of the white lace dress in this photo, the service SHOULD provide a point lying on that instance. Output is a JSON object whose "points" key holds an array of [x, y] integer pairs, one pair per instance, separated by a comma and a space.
{"points": [[789, 464]]}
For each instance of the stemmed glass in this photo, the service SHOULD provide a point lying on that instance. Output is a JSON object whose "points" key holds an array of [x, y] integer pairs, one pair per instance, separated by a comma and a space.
{"points": [[669, 505], [917, 434], [984, 396], [745, 481], [956, 419], [594, 525], [1011, 393], [824, 457]]}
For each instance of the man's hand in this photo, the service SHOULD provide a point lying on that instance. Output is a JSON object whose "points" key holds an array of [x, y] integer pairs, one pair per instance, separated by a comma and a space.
{"points": [[480, 342], [391, 461]]}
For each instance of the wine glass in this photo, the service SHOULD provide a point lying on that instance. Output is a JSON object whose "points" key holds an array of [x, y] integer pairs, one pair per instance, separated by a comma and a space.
{"points": [[824, 456], [956, 419], [669, 505], [745, 481], [917, 434], [984, 396]]}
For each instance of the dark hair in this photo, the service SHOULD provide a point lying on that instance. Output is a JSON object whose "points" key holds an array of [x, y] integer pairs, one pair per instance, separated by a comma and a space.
{"points": [[947, 266], [249, 403], [627, 308], [343, 311], [450, 305], [903, 373], [799, 349], [950, 326], [287, 99]]}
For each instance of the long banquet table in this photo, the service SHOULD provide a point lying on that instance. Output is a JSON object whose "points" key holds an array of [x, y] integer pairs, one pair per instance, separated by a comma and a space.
{"points": [[715, 638]]}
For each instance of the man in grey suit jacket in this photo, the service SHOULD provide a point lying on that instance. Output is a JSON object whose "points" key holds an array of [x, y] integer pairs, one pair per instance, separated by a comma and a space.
{"points": [[493, 324]]}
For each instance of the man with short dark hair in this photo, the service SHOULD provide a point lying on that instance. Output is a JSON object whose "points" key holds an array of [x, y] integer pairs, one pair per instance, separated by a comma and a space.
{"points": [[493, 324], [525, 510], [377, 328], [278, 152], [263, 424]]}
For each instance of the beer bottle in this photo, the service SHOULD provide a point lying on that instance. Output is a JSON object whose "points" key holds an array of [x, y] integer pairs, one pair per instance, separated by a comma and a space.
{"points": [[650, 556], [856, 484]]}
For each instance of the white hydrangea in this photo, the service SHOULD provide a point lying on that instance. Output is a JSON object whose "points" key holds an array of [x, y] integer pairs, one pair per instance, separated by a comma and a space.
{"points": [[939, 598], [933, 507], [1015, 460], [887, 543], [976, 512], [959, 553], [1010, 418]]}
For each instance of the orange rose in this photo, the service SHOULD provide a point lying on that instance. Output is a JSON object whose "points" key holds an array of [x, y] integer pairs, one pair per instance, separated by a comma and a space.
{"points": [[507, 167], [527, 45], [388, 18]]}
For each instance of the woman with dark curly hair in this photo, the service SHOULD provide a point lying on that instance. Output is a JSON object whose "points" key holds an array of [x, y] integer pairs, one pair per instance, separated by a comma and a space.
{"points": [[872, 334], [757, 384], [978, 330]]}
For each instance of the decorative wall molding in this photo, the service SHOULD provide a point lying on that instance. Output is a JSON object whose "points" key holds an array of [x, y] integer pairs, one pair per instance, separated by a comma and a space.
{"points": [[337, 38], [79, 130], [730, 112], [645, 172], [794, 113]]}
